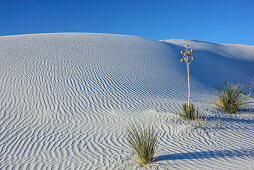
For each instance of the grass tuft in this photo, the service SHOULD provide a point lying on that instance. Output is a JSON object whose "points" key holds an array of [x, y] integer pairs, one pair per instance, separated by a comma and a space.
{"points": [[193, 114], [231, 96], [188, 112], [143, 141]]}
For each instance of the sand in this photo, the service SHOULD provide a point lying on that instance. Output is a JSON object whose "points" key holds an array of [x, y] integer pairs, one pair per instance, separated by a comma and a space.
{"points": [[67, 99]]}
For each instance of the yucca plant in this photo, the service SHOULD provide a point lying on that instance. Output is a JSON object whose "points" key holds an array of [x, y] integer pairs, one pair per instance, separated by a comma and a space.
{"points": [[188, 112], [187, 59], [188, 109], [231, 96], [143, 141]]}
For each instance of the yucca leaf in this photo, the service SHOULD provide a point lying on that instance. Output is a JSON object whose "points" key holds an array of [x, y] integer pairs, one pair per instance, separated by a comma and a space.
{"points": [[143, 140], [231, 96]]}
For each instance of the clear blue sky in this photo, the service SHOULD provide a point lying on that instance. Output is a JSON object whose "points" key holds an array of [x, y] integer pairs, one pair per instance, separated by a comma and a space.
{"points": [[222, 21]]}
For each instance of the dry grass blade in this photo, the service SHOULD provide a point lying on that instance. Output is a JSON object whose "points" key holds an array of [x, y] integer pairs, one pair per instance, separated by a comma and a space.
{"points": [[200, 120]]}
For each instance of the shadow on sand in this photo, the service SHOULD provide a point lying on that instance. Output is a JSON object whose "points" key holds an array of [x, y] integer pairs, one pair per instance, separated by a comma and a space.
{"points": [[247, 110], [208, 154]]}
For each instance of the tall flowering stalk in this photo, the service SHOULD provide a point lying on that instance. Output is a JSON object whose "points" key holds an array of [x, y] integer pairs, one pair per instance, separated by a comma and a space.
{"points": [[187, 59]]}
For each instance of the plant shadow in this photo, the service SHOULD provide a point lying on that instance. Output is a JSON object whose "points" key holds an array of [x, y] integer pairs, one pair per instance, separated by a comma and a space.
{"points": [[208, 154], [231, 119], [246, 110]]}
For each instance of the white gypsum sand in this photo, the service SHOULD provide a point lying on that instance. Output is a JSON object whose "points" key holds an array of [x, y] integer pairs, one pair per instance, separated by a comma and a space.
{"points": [[67, 99]]}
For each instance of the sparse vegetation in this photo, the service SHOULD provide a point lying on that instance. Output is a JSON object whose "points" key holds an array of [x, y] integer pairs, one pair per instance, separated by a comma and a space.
{"points": [[143, 140], [188, 112], [200, 120], [231, 96]]}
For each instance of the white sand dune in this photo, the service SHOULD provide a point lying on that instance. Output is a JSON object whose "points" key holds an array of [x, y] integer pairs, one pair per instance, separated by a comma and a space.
{"points": [[67, 99]]}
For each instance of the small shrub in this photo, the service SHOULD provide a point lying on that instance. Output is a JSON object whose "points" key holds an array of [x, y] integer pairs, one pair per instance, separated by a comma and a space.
{"points": [[143, 140], [188, 112], [231, 96]]}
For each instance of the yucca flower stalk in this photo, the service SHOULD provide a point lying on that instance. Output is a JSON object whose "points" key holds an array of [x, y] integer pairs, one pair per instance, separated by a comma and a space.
{"points": [[187, 59]]}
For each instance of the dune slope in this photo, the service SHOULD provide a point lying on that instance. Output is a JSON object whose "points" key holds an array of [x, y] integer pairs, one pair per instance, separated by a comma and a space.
{"points": [[67, 99]]}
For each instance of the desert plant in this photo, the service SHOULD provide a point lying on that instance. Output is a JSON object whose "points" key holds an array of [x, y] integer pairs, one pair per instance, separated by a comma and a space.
{"points": [[231, 96], [143, 140], [200, 120], [188, 112], [192, 114], [187, 59]]}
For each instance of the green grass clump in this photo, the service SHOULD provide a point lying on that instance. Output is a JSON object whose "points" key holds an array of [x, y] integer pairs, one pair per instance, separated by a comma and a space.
{"points": [[143, 140], [231, 96], [188, 112]]}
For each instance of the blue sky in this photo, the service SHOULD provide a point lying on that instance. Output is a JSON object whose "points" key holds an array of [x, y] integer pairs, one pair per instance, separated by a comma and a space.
{"points": [[221, 21]]}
